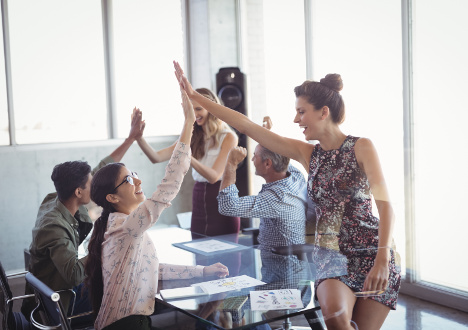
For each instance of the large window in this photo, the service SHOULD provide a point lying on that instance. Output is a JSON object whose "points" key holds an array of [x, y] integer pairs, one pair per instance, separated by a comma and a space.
{"points": [[440, 69], [277, 64], [365, 49], [57, 63], [148, 36], [285, 62]]}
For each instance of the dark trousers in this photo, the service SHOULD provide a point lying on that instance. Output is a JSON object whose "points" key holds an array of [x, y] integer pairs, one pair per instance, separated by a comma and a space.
{"points": [[133, 322], [82, 305], [206, 219]]}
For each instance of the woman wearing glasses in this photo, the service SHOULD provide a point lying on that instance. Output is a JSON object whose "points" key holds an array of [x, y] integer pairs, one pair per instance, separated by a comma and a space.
{"points": [[122, 267]]}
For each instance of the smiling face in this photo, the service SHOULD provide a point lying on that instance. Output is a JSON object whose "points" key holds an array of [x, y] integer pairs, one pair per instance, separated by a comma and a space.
{"points": [[127, 197], [259, 163], [201, 114], [308, 118]]}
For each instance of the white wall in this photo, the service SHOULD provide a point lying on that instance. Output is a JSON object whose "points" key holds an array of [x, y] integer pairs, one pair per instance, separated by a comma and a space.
{"points": [[26, 181]]}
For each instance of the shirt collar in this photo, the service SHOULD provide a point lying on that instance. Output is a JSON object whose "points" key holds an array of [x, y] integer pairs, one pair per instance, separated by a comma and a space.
{"points": [[66, 213], [284, 181]]}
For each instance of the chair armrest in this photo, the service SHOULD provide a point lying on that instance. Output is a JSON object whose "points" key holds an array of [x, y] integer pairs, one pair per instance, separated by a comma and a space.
{"points": [[299, 250], [20, 297], [16, 274], [80, 315], [73, 300], [40, 325], [253, 230]]}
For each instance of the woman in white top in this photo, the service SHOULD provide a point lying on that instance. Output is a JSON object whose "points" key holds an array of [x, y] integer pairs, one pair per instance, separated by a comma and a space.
{"points": [[211, 142], [122, 268]]}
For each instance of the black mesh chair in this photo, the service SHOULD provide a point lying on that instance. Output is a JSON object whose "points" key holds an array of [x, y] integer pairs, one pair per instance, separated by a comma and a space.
{"points": [[11, 320]]}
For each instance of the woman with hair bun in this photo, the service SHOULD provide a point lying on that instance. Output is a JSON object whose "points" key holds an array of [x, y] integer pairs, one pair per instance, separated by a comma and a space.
{"points": [[211, 142], [344, 175], [122, 269]]}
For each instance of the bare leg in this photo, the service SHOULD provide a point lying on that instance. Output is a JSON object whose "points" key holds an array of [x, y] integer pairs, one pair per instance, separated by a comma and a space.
{"points": [[337, 303], [369, 314]]}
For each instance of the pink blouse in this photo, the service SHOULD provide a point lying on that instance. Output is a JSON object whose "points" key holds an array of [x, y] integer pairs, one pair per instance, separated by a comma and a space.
{"points": [[130, 265]]}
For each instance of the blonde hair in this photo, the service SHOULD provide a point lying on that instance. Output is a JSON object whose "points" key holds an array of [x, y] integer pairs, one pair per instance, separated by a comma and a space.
{"points": [[214, 128]]}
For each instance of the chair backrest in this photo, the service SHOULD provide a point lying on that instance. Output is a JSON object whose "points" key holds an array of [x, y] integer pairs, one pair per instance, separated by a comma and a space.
{"points": [[184, 220], [11, 320], [50, 305], [5, 287], [6, 295], [27, 257]]}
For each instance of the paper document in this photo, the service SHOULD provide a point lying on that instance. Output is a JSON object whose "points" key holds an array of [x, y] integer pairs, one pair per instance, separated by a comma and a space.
{"points": [[276, 299], [211, 245], [229, 284]]}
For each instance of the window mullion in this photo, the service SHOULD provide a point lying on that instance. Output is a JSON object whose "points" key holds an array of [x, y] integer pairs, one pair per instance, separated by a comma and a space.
{"points": [[412, 267], [109, 67], [9, 87]]}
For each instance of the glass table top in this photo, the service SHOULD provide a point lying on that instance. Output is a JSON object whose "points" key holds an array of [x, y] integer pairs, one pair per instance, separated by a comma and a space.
{"points": [[233, 309]]}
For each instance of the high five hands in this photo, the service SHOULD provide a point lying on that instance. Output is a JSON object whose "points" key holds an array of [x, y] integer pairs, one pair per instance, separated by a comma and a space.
{"points": [[183, 81]]}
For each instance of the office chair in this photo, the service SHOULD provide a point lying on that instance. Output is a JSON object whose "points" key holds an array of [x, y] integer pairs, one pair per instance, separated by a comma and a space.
{"points": [[11, 320], [50, 310]]}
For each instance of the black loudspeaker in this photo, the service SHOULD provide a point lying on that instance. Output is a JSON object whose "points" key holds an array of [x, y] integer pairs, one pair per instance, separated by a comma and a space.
{"points": [[231, 89]]}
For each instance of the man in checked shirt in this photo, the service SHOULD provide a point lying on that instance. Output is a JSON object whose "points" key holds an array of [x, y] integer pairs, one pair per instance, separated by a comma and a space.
{"points": [[281, 204]]}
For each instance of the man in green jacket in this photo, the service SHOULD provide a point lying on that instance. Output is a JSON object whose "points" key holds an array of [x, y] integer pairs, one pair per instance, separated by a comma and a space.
{"points": [[63, 223]]}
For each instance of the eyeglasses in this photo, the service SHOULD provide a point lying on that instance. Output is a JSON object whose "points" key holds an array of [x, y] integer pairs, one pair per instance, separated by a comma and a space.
{"points": [[129, 179]]}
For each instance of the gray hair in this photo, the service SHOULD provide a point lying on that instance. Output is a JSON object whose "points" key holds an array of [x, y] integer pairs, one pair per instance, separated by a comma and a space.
{"points": [[280, 163]]}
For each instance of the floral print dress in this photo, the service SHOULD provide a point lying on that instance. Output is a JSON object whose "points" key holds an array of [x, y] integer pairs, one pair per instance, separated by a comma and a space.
{"points": [[346, 232]]}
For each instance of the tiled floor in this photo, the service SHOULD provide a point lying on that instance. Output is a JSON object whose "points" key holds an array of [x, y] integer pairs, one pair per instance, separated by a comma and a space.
{"points": [[416, 314], [411, 314]]}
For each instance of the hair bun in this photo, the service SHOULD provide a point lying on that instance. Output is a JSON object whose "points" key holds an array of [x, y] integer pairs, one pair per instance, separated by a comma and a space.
{"points": [[333, 81]]}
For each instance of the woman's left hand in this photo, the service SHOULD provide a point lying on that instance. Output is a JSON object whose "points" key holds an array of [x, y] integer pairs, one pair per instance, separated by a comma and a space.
{"points": [[377, 279], [217, 269]]}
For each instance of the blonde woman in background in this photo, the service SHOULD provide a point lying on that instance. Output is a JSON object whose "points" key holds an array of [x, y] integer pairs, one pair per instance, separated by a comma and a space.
{"points": [[211, 142]]}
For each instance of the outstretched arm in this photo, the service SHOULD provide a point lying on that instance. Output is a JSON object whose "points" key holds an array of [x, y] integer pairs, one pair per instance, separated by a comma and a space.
{"points": [[214, 173], [291, 148], [136, 131], [153, 155], [236, 155]]}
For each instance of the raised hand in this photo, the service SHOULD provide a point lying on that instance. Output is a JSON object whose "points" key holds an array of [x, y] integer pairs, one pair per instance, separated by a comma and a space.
{"points": [[137, 125], [267, 123], [182, 79], [187, 106], [236, 155], [217, 269]]}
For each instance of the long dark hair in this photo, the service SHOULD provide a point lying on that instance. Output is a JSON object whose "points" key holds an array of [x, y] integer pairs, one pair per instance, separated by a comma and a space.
{"points": [[103, 183]]}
